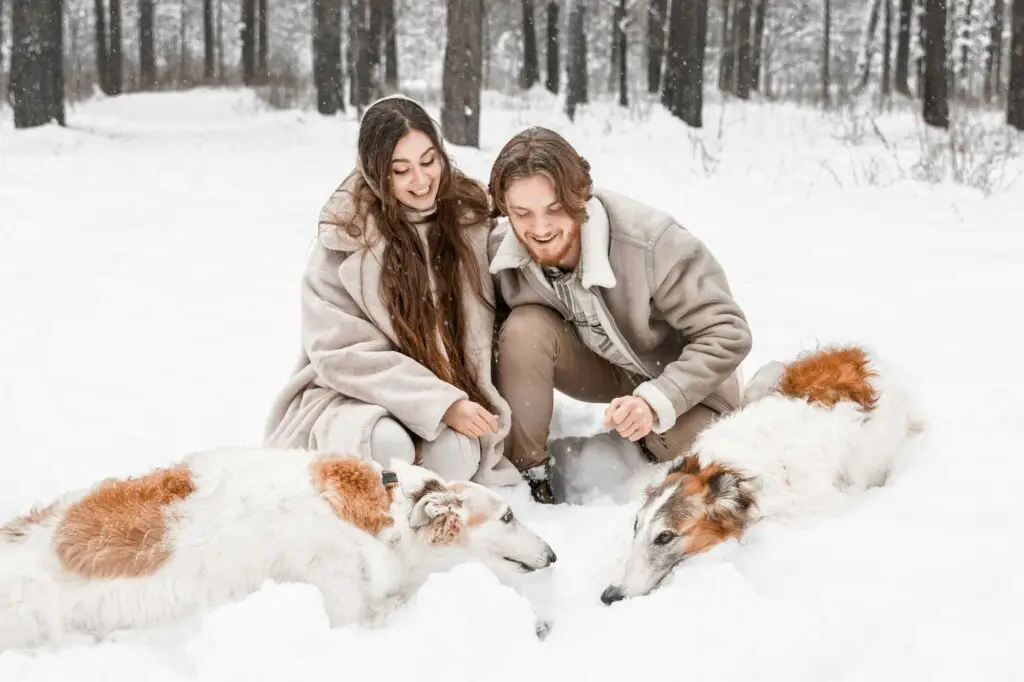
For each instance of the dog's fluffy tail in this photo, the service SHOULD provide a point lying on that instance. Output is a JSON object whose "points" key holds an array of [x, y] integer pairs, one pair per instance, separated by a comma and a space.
{"points": [[29, 611], [29, 597], [893, 421]]}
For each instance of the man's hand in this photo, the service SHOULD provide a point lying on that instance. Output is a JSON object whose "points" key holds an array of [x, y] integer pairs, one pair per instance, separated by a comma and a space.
{"points": [[470, 419], [632, 416]]}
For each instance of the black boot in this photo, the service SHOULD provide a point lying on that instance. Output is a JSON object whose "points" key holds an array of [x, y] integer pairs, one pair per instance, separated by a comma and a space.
{"points": [[542, 492], [539, 478]]}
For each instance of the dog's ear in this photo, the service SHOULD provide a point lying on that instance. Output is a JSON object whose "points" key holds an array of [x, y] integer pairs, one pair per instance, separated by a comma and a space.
{"points": [[440, 510], [686, 463], [730, 495]]}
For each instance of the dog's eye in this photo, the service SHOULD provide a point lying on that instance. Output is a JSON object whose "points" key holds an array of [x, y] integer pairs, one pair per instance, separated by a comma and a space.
{"points": [[507, 517], [636, 525], [664, 537]]}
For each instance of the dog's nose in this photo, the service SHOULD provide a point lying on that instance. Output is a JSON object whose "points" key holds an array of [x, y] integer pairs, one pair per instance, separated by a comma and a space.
{"points": [[611, 595], [552, 557]]}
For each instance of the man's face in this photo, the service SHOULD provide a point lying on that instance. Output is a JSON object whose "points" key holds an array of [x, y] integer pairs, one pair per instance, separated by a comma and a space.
{"points": [[541, 223]]}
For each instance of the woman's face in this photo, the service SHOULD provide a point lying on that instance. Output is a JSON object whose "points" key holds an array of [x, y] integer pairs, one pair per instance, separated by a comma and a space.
{"points": [[415, 171]]}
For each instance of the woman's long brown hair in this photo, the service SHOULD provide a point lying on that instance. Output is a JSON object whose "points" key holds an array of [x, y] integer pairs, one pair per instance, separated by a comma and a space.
{"points": [[461, 203]]}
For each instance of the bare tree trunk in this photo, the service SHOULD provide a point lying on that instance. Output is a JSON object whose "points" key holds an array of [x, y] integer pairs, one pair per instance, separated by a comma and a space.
{"points": [[208, 61], [551, 50], [826, 57], [75, 68], [674, 39], [887, 52], [368, 53], [101, 46], [620, 53], [36, 86], [390, 46], [994, 52], [741, 35], [529, 74], [683, 93], [951, 51], [692, 106], [147, 53], [919, 60], [375, 32], [727, 59], [361, 85], [1015, 93], [115, 56], [220, 40], [262, 71], [463, 73], [758, 41], [247, 30], [55, 58], [184, 75], [327, 75], [965, 52], [3, 83], [656, 12], [351, 51], [902, 83], [374, 45], [576, 69], [868, 48], [359, 53], [935, 107]]}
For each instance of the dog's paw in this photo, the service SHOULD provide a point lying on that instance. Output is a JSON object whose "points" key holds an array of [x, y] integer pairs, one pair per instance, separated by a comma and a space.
{"points": [[542, 628]]}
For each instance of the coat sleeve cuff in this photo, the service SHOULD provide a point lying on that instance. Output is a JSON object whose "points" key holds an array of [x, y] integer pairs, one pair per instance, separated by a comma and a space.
{"points": [[663, 408], [431, 423]]}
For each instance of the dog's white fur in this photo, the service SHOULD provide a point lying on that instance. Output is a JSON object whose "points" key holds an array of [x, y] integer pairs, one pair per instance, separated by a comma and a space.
{"points": [[254, 515], [797, 459]]}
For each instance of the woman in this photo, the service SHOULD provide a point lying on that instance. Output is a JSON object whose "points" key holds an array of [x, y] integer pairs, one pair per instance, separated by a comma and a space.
{"points": [[397, 313]]}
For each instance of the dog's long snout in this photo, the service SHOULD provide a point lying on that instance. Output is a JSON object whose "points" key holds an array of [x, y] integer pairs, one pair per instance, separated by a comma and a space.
{"points": [[611, 595]]}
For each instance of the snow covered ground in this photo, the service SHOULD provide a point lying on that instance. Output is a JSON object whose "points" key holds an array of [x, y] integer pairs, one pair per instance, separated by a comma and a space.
{"points": [[149, 262]]}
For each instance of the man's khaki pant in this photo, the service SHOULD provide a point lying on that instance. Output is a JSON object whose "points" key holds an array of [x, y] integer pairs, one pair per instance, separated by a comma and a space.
{"points": [[539, 351]]}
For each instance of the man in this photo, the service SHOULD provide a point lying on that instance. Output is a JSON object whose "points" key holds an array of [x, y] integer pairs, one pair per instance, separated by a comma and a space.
{"points": [[610, 301]]}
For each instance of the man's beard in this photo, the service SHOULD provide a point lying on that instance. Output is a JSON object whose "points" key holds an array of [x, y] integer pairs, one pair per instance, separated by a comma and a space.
{"points": [[550, 261]]}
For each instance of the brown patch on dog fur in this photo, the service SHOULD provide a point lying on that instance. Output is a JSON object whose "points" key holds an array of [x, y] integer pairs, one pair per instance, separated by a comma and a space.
{"points": [[118, 529], [355, 492], [829, 376], [677, 474], [705, 534], [709, 504], [445, 528], [17, 528], [432, 485]]}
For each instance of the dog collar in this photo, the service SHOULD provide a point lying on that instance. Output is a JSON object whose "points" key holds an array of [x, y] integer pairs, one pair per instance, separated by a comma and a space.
{"points": [[389, 479]]}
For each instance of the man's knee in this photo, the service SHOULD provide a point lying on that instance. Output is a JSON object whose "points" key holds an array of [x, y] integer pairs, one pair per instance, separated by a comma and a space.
{"points": [[679, 439], [529, 331], [389, 440]]}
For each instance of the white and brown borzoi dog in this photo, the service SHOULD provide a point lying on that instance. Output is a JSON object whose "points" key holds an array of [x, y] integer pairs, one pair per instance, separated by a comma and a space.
{"points": [[808, 433], [145, 551]]}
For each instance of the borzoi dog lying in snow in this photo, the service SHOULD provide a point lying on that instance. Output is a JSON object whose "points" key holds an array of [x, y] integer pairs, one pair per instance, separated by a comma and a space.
{"points": [[809, 431], [144, 551]]}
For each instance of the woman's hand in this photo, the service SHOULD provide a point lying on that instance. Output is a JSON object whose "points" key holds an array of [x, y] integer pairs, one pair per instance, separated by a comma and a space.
{"points": [[470, 419]]}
